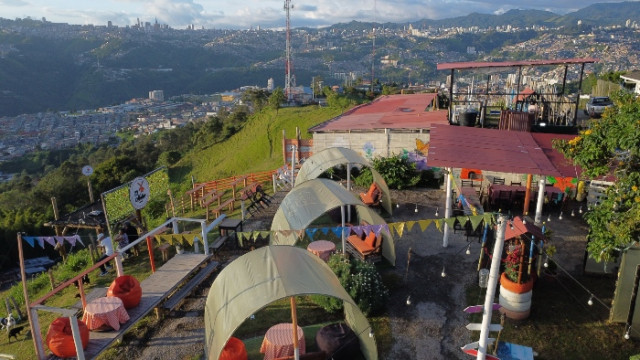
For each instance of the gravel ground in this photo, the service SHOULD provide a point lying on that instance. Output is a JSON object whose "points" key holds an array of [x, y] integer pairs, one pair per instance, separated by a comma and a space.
{"points": [[432, 327]]}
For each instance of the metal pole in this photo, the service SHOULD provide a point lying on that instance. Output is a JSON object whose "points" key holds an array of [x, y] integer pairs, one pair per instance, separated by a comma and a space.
{"points": [[494, 272], [349, 189], [538, 218], [447, 209], [77, 338], [205, 241]]}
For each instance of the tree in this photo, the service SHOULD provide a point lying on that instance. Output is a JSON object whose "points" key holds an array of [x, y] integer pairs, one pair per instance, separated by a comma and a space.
{"points": [[276, 99], [611, 146]]}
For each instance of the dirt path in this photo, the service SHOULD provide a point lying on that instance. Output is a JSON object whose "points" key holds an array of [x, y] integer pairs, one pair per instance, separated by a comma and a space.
{"points": [[432, 327]]}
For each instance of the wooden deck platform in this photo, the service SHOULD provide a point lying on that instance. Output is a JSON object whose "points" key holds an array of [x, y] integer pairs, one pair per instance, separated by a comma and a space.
{"points": [[155, 289]]}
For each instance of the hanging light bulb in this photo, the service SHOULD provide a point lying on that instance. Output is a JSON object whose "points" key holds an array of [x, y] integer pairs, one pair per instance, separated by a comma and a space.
{"points": [[443, 273], [626, 334], [416, 210], [511, 225], [398, 206], [546, 262], [549, 218], [436, 212], [371, 333], [560, 216], [468, 252], [573, 212], [524, 221], [580, 210], [409, 300], [590, 302]]}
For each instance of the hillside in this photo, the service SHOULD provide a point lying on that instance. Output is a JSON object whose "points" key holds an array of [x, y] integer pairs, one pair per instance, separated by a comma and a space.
{"points": [[256, 147]]}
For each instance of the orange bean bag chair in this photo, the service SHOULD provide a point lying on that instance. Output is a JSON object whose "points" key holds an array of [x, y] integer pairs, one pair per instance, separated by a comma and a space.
{"points": [[234, 350], [60, 337], [128, 289]]}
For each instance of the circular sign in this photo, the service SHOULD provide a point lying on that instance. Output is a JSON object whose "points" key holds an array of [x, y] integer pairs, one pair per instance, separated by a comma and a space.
{"points": [[87, 170], [139, 193]]}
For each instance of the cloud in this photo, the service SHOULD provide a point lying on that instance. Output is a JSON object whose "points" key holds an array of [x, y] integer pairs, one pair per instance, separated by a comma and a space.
{"points": [[14, 3]]}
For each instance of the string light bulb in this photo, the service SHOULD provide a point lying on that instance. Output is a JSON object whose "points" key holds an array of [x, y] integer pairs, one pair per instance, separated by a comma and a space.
{"points": [[468, 252], [370, 333], [560, 216], [549, 218], [398, 206], [573, 212], [524, 221], [416, 210], [580, 210], [590, 302], [626, 334], [511, 224], [546, 262], [409, 300], [436, 212], [444, 272]]}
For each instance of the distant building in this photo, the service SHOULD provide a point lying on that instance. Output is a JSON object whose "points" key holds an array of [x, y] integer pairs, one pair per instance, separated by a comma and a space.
{"points": [[270, 86], [631, 81], [156, 95]]}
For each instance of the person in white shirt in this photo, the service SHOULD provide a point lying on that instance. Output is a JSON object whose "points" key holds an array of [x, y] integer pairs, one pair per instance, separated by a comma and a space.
{"points": [[105, 243]]}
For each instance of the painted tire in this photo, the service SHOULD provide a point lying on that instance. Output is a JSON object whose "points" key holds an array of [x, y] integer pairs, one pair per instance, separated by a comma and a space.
{"points": [[515, 315], [515, 306], [510, 296], [515, 287]]}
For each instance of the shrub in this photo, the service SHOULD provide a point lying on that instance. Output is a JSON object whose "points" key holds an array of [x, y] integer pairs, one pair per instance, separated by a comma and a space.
{"points": [[361, 280]]}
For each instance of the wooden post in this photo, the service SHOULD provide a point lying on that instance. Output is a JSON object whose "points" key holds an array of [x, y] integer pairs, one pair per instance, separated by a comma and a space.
{"points": [[32, 315], [150, 249], [51, 280], [173, 207], [527, 195], [294, 318], [90, 191], [56, 215]]}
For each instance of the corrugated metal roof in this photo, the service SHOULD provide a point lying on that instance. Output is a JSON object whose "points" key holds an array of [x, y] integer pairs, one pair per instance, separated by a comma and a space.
{"points": [[388, 112], [488, 149], [486, 64], [564, 166]]}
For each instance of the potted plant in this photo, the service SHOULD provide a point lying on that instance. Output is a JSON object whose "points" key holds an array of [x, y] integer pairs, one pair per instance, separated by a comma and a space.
{"points": [[514, 278]]}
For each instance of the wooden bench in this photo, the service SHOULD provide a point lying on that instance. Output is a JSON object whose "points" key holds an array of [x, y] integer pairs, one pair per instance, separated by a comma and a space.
{"points": [[176, 299], [229, 204], [217, 244], [367, 249]]}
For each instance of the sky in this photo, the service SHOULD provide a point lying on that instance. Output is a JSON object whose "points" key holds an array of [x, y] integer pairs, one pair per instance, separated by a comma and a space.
{"points": [[245, 14]]}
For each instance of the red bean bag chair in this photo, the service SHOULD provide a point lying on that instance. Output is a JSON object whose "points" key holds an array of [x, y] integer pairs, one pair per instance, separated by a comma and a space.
{"points": [[60, 337], [234, 350], [128, 289]]}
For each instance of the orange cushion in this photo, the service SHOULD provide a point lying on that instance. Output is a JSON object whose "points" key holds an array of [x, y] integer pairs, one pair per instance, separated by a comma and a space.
{"points": [[128, 289], [234, 350], [359, 245], [371, 239], [60, 337]]}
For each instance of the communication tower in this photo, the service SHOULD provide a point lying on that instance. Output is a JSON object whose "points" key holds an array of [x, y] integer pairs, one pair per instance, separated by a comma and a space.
{"points": [[288, 79]]}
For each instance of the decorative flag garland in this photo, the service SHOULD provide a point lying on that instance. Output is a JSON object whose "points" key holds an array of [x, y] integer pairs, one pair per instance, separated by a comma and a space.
{"points": [[52, 240]]}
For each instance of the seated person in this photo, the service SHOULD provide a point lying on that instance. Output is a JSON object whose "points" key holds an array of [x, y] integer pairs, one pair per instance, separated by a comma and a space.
{"points": [[123, 240]]}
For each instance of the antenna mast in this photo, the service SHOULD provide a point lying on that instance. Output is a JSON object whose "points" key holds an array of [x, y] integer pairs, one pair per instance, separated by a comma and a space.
{"points": [[287, 65]]}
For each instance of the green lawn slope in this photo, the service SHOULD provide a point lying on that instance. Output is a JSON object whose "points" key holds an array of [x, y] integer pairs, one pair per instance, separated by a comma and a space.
{"points": [[256, 147]]}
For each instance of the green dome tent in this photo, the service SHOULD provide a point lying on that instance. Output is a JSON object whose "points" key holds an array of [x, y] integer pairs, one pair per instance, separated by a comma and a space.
{"points": [[265, 275]]}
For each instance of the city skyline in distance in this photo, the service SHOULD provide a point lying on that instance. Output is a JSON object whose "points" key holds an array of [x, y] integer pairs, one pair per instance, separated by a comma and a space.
{"points": [[210, 14]]}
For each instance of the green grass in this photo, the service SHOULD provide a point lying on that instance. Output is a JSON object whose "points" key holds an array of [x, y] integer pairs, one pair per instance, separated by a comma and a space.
{"points": [[256, 147]]}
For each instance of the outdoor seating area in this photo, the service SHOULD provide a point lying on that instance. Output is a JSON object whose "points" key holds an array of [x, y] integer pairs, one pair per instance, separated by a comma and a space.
{"points": [[372, 196], [367, 248]]}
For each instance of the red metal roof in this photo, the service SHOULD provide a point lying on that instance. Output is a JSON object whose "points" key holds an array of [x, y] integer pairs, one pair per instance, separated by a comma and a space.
{"points": [[520, 228], [388, 112], [488, 149], [486, 64], [564, 166]]}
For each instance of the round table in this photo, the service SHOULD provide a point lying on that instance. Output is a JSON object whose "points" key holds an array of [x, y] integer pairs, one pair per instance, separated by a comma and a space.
{"points": [[278, 341], [322, 248], [105, 311]]}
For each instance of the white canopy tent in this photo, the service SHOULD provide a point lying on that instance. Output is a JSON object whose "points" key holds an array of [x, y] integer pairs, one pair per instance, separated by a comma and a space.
{"points": [[330, 157], [310, 200], [265, 275]]}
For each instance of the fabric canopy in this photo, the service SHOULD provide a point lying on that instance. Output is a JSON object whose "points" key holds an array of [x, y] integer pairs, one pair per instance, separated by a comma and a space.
{"points": [[488, 149], [330, 157], [265, 275], [310, 200]]}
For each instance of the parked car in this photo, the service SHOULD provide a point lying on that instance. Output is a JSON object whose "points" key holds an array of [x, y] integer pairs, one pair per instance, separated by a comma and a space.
{"points": [[596, 105]]}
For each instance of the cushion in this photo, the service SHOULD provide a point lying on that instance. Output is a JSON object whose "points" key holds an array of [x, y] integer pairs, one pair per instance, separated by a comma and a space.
{"points": [[128, 289], [234, 350], [60, 337], [359, 245], [371, 239]]}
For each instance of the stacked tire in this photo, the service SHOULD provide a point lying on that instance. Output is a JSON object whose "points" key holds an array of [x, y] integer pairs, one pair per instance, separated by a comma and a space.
{"points": [[515, 299]]}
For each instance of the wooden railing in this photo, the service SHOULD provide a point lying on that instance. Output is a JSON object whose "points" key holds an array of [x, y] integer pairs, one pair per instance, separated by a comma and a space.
{"points": [[515, 121], [191, 199]]}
